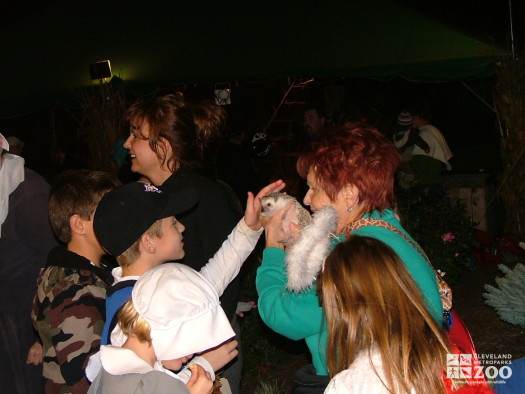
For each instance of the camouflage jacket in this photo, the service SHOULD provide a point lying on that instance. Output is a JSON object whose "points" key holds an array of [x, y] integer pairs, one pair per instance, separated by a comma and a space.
{"points": [[68, 313]]}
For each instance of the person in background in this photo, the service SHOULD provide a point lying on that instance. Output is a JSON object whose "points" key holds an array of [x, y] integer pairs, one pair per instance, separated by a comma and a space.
{"points": [[381, 338], [25, 240], [405, 138], [428, 164], [314, 120], [69, 305], [168, 139]]}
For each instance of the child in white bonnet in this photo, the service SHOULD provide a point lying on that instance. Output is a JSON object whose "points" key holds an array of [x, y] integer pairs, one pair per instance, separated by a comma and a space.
{"points": [[174, 312], [137, 224]]}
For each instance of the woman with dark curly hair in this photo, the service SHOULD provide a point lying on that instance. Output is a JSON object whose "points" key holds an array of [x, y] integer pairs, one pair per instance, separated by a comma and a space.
{"points": [[168, 141], [350, 168]]}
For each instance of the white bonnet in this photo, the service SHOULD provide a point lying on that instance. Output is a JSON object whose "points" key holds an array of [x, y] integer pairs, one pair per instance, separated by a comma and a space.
{"points": [[182, 309]]}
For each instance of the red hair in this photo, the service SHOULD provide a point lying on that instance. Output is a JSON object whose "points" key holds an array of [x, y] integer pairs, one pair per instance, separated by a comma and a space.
{"points": [[356, 154]]}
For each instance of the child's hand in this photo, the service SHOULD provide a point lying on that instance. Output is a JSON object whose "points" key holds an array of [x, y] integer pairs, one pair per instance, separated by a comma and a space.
{"points": [[253, 205], [200, 380], [221, 355], [244, 307], [35, 355], [273, 228]]}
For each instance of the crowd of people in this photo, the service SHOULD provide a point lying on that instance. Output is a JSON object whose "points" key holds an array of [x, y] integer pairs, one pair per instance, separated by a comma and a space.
{"points": [[137, 290]]}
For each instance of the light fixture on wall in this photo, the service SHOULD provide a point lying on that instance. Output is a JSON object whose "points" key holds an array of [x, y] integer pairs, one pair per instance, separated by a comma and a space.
{"points": [[222, 94], [100, 70]]}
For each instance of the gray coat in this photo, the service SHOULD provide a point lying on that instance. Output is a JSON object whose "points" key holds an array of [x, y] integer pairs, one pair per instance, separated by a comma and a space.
{"points": [[137, 383]]}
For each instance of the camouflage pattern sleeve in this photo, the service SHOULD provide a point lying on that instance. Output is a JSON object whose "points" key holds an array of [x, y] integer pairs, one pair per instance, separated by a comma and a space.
{"points": [[69, 316]]}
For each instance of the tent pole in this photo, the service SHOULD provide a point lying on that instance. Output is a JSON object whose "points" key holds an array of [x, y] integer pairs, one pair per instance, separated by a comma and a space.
{"points": [[478, 96], [511, 26]]}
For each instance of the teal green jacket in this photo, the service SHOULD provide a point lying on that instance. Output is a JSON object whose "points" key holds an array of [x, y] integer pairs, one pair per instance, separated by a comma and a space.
{"points": [[299, 315]]}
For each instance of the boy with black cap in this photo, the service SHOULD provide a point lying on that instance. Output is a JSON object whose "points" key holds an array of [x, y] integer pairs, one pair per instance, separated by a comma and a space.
{"points": [[136, 224]]}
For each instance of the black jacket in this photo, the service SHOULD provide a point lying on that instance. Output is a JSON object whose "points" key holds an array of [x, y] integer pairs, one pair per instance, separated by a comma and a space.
{"points": [[207, 224]]}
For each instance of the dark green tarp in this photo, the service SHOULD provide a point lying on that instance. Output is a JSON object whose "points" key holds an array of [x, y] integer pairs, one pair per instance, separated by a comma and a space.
{"points": [[45, 56]]}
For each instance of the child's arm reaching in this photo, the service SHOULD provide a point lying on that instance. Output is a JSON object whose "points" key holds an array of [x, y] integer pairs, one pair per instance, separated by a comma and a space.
{"points": [[224, 266], [221, 355], [211, 360], [253, 205]]}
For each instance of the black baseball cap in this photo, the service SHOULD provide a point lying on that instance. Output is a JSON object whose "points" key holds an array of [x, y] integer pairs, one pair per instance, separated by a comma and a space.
{"points": [[125, 213]]}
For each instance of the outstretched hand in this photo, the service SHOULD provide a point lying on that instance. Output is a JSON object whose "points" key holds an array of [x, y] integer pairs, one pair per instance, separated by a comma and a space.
{"points": [[253, 204], [221, 355]]}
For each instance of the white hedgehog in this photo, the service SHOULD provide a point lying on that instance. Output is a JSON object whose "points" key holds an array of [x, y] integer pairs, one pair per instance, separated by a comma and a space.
{"points": [[305, 258], [274, 202]]}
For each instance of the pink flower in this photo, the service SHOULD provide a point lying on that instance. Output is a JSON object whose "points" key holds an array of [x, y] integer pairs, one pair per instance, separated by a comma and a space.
{"points": [[447, 237]]}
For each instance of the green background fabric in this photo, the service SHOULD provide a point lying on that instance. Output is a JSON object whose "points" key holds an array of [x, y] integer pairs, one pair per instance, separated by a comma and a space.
{"points": [[46, 54]]}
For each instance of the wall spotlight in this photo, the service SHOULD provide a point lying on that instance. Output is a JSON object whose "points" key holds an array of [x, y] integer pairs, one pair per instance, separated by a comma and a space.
{"points": [[222, 94], [100, 70]]}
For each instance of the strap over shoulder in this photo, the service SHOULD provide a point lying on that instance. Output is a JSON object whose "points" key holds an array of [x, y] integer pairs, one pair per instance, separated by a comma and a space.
{"points": [[444, 289], [364, 222]]}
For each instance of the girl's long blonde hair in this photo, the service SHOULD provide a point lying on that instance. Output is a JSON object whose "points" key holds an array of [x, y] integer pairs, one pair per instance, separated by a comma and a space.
{"points": [[372, 304], [132, 324]]}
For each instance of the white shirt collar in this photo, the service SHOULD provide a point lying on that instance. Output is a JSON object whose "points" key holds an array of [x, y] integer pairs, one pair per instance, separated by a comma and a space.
{"points": [[120, 361], [117, 275]]}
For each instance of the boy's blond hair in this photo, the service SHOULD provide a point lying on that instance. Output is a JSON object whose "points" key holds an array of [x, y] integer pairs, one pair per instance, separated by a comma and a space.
{"points": [[132, 254], [132, 324]]}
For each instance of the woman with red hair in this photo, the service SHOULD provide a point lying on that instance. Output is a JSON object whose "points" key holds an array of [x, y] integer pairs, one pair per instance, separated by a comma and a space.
{"points": [[350, 168]]}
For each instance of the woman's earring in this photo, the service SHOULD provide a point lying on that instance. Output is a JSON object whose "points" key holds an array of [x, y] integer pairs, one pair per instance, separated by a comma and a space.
{"points": [[349, 209]]}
